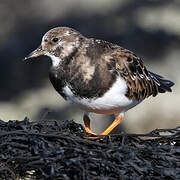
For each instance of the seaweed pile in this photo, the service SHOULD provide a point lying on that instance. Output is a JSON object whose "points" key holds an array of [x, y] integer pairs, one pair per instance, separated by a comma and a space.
{"points": [[61, 150]]}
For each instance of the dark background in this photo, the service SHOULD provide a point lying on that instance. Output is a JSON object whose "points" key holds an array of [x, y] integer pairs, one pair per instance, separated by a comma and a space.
{"points": [[150, 28]]}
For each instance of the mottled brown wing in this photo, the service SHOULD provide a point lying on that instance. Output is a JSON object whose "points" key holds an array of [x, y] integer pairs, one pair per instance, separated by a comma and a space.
{"points": [[141, 83]]}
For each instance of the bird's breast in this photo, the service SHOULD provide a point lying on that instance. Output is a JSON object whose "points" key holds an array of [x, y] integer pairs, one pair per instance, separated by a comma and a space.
{"points": [[88, 83], [104, 92], [113, 101]]}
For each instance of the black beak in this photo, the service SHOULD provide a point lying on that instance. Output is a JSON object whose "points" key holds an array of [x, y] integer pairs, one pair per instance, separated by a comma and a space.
{"points": [[38, 52]]}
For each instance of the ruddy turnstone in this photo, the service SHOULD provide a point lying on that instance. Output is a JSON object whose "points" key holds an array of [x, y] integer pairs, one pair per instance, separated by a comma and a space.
{"points": [[96, 75]]}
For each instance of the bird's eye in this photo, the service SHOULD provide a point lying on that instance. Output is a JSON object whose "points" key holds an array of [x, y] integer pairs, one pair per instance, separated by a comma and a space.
{"points": [[55, 40]]}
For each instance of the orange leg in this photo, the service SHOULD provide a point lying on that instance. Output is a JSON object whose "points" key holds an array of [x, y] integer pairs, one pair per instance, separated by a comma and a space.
{"points": [[116, 122], [87, 125]]}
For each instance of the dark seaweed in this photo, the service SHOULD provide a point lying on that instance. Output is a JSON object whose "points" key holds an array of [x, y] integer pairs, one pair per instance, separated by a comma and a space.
{"points": [[60, 150]]}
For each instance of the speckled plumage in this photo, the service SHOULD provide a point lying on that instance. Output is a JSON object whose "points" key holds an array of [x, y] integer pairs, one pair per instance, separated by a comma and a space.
{"points": [[88, 72], [97, 65]]}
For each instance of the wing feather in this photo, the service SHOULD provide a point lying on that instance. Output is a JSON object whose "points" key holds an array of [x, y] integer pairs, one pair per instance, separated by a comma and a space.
{"points": [[141, 82]]}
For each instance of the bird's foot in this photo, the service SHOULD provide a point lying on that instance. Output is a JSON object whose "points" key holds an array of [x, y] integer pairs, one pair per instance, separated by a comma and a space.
{"points": [[116, 122]]}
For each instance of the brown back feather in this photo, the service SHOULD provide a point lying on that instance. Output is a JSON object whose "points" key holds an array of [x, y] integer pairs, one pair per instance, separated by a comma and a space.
{"points": [[141, 83]]}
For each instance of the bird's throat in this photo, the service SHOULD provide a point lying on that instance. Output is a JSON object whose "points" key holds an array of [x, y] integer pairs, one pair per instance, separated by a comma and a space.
{"points": [[55, 61]]}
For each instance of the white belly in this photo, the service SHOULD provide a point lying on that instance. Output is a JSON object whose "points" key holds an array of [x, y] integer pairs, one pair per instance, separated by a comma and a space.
{"points": [[113, 101]]}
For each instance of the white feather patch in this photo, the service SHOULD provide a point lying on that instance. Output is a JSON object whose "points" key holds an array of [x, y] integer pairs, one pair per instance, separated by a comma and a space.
{"points": [[113, 101], [55, 60]]}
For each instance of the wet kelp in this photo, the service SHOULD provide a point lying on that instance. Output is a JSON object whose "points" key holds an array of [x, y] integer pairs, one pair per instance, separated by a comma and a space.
{"points": [[61, 150]]}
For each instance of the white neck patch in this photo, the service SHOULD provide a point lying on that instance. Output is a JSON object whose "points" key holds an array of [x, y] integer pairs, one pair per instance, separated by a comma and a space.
{"points": [[55, 60]]}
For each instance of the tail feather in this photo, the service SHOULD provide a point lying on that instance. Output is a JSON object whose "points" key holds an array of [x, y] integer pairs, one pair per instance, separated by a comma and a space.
{"points": [[164, 84]]}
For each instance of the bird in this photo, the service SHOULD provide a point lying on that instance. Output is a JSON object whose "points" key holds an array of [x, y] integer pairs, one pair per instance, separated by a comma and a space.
{"points": [[97, 76]]}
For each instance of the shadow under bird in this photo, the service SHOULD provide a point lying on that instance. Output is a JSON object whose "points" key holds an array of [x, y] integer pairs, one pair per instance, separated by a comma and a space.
{"points": [[97, 76]]}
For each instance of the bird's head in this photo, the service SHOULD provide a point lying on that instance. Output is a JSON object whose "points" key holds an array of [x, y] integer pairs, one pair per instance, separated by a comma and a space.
{"points": [[59, 42]]}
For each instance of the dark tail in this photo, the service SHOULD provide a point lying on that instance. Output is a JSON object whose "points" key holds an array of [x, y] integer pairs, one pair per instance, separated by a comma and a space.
{"points": [[163, 84]]}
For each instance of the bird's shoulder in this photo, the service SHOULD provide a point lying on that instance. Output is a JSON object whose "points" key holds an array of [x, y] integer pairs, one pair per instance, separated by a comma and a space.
{"points": [[140, 82]]}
